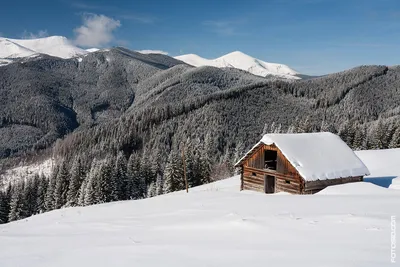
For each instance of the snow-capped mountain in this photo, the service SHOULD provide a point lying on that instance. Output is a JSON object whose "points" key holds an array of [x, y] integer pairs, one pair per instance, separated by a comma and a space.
{"points": [[56, 46], [242, 61]]}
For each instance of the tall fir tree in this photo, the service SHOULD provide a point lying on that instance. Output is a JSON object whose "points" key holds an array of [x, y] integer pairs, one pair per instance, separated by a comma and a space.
{"points": [[173, 174], [77, 176], [61, 187], [49, 200], [119, 178], [395, 141], [41, 194], [17, 202], [5, 197]]}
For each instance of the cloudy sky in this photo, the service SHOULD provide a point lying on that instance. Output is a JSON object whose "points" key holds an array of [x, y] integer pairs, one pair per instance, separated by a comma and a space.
{"points": [[311, 36]]}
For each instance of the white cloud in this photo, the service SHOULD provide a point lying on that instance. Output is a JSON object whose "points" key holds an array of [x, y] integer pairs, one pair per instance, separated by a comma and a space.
{"points": [[96, 31], [152, 52], [31, 35]]}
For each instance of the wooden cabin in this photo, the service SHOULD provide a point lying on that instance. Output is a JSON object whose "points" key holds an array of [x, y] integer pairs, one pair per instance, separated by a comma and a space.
{"points": [[299, 164]]}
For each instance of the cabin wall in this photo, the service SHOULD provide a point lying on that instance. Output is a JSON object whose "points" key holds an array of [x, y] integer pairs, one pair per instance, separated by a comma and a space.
{"points": [[312, 187], [286, 176]]}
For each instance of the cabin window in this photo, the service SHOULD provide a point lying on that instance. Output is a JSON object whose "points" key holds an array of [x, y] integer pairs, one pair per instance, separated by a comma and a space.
{"points": [[270, 157], [287, 181], [254, 174]]}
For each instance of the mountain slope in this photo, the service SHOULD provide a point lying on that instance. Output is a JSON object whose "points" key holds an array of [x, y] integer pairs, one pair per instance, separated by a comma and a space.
{"points": [[213, 225], [56, 46], [242, 61]]}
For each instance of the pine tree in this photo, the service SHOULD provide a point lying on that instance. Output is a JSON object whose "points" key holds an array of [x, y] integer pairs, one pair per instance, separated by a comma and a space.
{"points": [[159, 185], [130, 174], [41, 194], [173, 174], [17, 202], [119, 178], [30, 195], [77, 175], [49, 200], [152, 190], [5, 198], [82, 192], [359, 142], [61, 187], [103, 185], [90, 190], [379, 135], [395, 142]]}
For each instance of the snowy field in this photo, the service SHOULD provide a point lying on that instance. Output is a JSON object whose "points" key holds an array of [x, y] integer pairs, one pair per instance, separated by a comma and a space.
{"points": [[214, 225]]}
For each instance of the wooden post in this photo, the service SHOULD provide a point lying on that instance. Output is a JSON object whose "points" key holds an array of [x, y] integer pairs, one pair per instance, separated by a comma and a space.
{"points": [[184, 168]]}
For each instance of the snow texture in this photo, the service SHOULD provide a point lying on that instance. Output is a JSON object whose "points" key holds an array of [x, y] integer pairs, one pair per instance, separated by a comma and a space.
{"points": [[213, 225], [317, 156], [217, 225], [56, 46], [242, 61], [384, 166]]}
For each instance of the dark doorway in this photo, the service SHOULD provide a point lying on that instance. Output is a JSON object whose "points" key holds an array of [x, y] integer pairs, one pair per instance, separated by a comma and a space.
{"points": [[270, 157], [269, 184]]}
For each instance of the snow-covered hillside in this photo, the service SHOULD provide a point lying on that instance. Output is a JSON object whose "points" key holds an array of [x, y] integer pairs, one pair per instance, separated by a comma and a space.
{"points": [[217, 225], [213, 225], [57, 46], [242, 61]]}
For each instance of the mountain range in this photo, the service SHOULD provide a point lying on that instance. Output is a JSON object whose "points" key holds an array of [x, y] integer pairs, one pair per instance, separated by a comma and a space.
{"points": [[112, 100], [58, 46]]}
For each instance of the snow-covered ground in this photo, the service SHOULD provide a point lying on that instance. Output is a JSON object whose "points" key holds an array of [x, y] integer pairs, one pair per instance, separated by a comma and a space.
{"points": [[217, 225], [384, 166], [242, 61]]}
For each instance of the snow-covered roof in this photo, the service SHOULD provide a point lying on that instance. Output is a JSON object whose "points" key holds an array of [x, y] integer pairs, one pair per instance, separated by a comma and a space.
{"points": [[316, 156]]}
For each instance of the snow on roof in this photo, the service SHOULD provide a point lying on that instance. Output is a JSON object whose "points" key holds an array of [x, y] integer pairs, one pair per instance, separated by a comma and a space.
{"points": [[316, 156]]}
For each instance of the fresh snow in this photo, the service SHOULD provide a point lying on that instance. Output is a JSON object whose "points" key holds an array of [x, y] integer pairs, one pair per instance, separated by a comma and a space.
{"points": [[56, 46], [242, 61], [91, 50], [317, 156], [384, 166], [216, 225]]}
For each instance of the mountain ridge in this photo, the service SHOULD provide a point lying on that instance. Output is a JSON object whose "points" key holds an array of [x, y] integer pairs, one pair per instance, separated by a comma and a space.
{"points": [[242, 61]]}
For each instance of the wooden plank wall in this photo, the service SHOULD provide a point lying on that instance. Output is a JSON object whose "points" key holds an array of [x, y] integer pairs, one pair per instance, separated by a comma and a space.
{"points": [[287, 177], [312, 187]]}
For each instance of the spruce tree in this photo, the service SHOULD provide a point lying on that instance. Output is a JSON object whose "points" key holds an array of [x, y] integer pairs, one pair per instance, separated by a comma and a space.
{"points": [[41, 194], [17, 202], [173, 174], [5, 198], [61, 186], [395, 142], [90, 197], [77, 175], [119, 177]]}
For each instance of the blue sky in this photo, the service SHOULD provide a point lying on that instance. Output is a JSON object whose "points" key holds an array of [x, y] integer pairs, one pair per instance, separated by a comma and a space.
{"points": [[311, 36]]}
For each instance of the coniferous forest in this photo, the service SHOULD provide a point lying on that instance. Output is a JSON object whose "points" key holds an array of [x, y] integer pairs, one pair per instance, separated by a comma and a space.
{"points": [[120, 125]]}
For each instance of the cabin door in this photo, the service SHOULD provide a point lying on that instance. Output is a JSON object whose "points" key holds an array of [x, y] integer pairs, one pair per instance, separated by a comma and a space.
{"points": [[269, 184]]}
